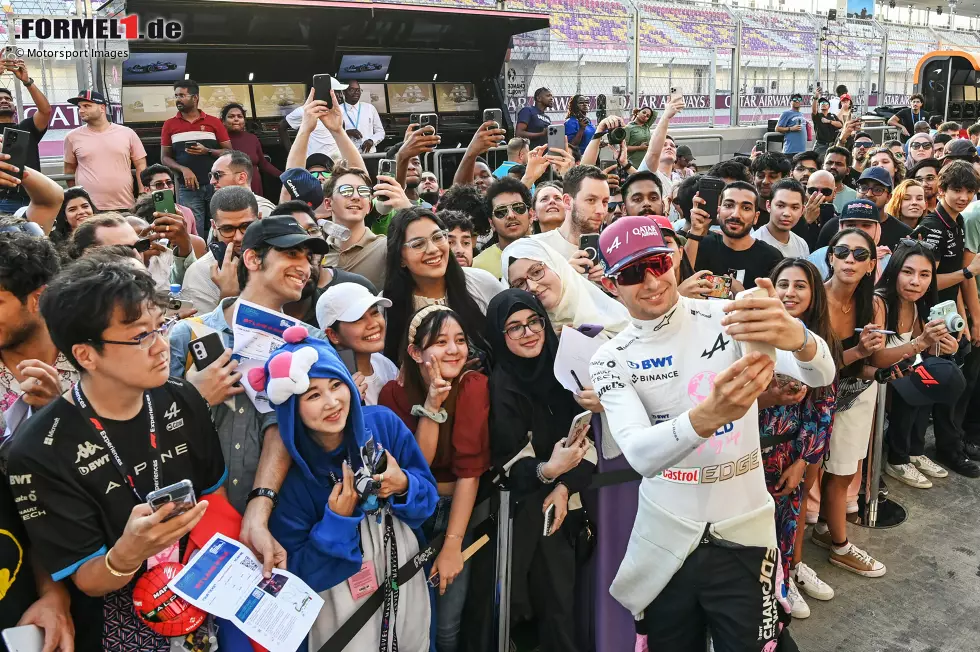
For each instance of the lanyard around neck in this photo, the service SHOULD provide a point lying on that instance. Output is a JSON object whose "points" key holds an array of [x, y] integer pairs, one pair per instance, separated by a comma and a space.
{"points": [[353, 123]]}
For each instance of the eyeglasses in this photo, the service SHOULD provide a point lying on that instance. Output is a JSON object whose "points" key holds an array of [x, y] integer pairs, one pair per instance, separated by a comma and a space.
{"points": [[534, 273], [826, 192], [519, 208], [228, 230], [348, 191], [861, 254], [162, 185], [874, 190], [803, 168], [421, 244], [634, 273], [920, 145], [144, 340], [927, 178], [534, 325], [909, 242], [864, 144], [30, 228]]}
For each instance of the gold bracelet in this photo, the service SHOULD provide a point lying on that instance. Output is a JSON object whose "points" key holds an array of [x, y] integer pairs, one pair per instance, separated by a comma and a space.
{"points": [[116, 573]]}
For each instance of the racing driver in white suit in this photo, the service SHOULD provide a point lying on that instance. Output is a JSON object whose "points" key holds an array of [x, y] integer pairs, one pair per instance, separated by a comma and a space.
{"points": [[680, 393]]}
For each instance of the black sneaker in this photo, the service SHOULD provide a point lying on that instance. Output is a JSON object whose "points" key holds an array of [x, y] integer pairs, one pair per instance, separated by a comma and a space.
{"points": [[972, 450], [959, 463]]}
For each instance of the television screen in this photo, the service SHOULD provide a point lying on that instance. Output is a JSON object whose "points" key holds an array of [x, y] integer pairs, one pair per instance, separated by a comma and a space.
{"points": [[375, 94], [277, 100], [215, 96], [363, 66], [148, 103], [145, 67], [454, 98], [411, 98]]}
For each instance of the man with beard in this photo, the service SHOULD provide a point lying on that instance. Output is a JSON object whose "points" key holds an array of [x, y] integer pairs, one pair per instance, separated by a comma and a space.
{"points": [[189, 143], [785, 210], [642, 194], [462, 235], [100, 154], [30, 364], [429, 188], [874, 185], [234, 168], [361, 120], [509, 201], [907, 117], [926, 172], [735, 251], [820, 188], [410, 181], [586, 200], [837, 161], [863, 143], [37, 125], [767, 170], [792, 125]]}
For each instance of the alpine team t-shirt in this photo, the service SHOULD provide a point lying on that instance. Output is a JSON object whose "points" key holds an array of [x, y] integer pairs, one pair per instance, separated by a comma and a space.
{"points": [[75, 503]]}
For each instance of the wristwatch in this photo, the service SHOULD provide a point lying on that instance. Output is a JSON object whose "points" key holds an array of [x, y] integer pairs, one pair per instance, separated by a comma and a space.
{"points": [[263, 492], [967, 274], [29, 82]]}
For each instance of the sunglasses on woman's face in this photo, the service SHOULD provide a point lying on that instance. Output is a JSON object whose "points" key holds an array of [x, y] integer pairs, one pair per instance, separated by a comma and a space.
{"points": [[861, 254], [920, 145], [634, 273]]}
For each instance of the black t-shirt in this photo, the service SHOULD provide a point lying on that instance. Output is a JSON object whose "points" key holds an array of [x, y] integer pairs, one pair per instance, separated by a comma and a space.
{"points": [[755, 262], [892, 231], [82, 502], [908, 119], [18, 578], [33, 158], [948, 237], [826, 133]]}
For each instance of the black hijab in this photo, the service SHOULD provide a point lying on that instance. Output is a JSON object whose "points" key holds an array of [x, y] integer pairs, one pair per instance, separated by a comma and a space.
{"points": [[532, 376]]}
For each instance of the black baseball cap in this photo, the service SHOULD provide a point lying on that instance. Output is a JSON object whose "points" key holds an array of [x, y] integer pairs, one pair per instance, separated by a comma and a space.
{"points": [[860, 209], [935, 380], [283, 232], [95, 97]]}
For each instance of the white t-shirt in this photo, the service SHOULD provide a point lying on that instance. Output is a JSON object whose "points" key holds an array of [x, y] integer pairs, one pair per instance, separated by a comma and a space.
{"points": [[384, 371], [321, 140], [796, 247], [480, 283], [556, 241]]}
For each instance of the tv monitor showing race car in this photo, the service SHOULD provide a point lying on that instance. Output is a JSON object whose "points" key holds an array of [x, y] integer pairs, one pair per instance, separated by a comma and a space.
{"points": [[411, 98], [456, 98], [375, 94], [277, 100], [363, 66], [152, 67], [215, 96], [148, 103]]}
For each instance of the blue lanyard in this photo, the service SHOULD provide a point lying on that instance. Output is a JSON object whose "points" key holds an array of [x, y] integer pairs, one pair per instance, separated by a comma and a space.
{"points": [[353, 124]]}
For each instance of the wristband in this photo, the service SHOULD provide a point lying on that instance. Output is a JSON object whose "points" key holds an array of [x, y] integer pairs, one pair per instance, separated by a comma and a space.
{"points": [[806, 336], [598, 135], [541, 475], [115, 572], [439, 416], [693, 236], [263, 492]]}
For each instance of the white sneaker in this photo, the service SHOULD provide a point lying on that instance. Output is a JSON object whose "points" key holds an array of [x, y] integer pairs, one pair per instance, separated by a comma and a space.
{"points": [[908, 474], [800, 608], [806, 578], [928, 467]]}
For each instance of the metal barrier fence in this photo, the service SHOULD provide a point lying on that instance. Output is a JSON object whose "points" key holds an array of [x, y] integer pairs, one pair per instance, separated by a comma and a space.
{"points": [[735, 65]]}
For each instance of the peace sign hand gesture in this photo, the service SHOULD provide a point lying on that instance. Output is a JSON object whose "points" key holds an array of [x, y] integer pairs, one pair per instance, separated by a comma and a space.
{"points": [[438, 386]]}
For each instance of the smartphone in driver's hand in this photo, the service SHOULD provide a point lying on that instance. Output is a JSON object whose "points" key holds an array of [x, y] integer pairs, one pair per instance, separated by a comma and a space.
{"points": [[180, 493]]}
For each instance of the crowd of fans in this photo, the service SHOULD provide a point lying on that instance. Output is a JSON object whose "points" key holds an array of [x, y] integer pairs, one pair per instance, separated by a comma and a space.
{"points": [[428, 328]]}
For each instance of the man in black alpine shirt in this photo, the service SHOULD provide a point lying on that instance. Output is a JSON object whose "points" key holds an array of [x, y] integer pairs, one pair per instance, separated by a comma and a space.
{"points": [[958, 184], [81, 468]]}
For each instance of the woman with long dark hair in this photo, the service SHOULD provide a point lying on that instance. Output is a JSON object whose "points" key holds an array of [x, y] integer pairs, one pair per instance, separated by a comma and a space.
{"points": [[857, 324], [795, 422], [578, 128], [76, 207], [530, 416], [233, 117], [447, 407], [906, 292], [421, 270]]}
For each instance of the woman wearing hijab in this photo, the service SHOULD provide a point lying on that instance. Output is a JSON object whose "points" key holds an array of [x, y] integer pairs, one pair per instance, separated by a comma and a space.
{"points": [[570, 298], [530, 416], [344, 541]]}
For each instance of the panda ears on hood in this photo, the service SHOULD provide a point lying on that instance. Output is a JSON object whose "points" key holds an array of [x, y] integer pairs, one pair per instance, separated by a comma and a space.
{"points": [[288, 371]]}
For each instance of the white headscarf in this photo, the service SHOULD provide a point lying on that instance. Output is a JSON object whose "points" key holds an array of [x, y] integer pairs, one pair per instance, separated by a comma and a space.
{"points": [[581, 302]]}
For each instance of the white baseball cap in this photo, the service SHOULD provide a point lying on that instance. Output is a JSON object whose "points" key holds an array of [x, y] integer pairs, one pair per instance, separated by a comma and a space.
{"points": [[346, 302]]}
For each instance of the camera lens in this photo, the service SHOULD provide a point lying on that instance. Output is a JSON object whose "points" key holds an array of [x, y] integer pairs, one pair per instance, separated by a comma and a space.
{"points": [[617, 135]]}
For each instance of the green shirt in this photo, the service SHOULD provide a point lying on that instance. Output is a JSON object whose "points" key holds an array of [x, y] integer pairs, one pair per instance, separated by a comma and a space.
{"points": [[971, 227], [637, 134]]}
